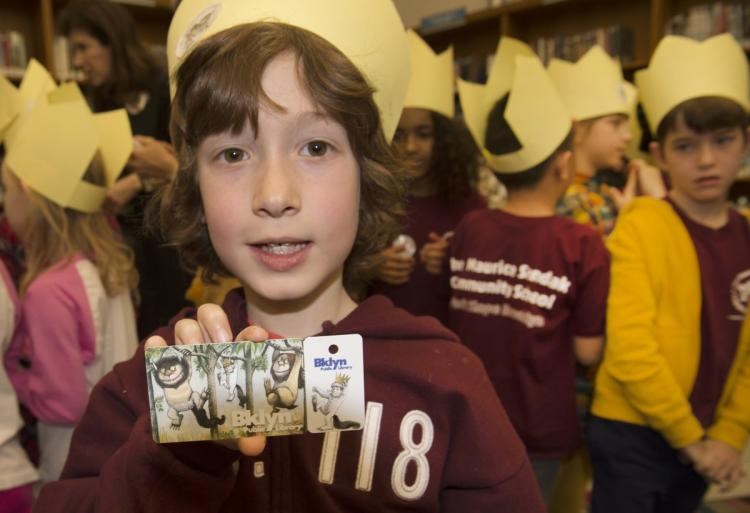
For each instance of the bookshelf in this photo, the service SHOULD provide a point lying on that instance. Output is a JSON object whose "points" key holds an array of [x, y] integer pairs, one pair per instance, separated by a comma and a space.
{"points": [[35, 21], [535, 20]]}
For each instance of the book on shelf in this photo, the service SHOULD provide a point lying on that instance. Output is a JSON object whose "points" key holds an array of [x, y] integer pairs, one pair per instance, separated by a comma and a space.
{"points": [[443, 20], [703, 21], [617, 40], [473, 68], [13, 56]]}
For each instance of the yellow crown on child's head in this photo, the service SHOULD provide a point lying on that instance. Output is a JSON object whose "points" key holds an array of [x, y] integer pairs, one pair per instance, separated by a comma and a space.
{"points": [[535, 112], [683, 69], [431, 79], [53, 139], [591, 87], [15, 104], [370, 34], [342, 379]]}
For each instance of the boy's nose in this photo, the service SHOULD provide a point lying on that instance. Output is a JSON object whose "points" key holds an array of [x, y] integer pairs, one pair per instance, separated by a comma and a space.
{"points": [[706, 156], [276, 193]]}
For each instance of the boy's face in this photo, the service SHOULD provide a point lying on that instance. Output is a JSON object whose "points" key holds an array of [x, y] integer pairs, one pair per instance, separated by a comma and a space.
{"points": [[282, 205], [414, 139], [701, 167], [605, 140]]}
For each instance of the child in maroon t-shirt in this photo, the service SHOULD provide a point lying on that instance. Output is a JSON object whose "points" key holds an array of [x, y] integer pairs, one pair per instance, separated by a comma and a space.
{"points": [[287, 182], [671, 408], [528, 286], [442, 166]]}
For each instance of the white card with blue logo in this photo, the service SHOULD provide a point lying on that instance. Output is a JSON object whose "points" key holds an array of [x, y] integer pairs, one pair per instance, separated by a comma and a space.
{"points": [[334, 383]]}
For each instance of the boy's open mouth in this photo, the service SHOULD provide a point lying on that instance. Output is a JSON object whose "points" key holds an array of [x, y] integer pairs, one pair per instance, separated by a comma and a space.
{"points": [[282, 248]]}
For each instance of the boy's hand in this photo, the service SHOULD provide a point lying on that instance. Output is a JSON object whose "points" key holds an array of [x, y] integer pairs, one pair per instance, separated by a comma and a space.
{"points": [[433, 253], [722, 463], [212, 325], [650, 182], [395, 265]]}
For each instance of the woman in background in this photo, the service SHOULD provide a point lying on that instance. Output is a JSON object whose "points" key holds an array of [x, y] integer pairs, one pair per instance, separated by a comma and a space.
{"points": [[118, 71]]}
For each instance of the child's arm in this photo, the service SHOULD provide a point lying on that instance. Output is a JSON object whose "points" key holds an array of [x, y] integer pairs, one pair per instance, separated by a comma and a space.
{"points": [[732, 419], [728, 434], [592, 287], [632, 355], [588, 350]]}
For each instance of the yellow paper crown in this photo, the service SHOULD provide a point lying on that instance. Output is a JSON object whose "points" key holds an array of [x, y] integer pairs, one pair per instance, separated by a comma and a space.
{"points": [[592, 87], [15, 104], [10, 104], [342, 379], [431, 80], [56, 140], [369, 33], [535, 112], [683, 69]]}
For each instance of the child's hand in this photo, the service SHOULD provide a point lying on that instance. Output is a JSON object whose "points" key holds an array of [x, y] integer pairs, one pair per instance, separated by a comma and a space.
{"points": [[152, 158], [622, 198], [395, 265], [722, 463], [212, 325], [650, 182], [433, 253], [121, 192]]}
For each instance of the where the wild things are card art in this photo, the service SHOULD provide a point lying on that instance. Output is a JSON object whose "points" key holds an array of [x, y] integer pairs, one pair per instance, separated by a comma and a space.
{"points": [[277, 387], [226, 390]]}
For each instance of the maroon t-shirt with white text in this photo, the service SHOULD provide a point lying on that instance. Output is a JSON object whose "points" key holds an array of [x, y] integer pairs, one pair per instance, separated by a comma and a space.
{"points": [[522, 288], [425, 293], [724, 261]]}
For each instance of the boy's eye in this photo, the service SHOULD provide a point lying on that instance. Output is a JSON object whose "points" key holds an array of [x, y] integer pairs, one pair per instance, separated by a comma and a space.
{"points": [[316, 148], [233, 155], [724, 139], [683, 146]]}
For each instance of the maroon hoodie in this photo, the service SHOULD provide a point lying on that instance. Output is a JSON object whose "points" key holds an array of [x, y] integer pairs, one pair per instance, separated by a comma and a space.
{"points": [[438, 440]]}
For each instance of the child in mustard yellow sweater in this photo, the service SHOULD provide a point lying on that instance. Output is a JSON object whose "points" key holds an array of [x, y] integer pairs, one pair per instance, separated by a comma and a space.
{"points": [[671, 408]]}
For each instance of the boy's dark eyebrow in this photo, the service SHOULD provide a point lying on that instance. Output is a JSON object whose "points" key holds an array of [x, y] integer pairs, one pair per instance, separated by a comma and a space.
{"points": [[314, 115]]}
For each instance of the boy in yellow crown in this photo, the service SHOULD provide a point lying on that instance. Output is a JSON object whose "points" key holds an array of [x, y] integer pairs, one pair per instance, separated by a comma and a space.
{"points": [[671, 408], [281, 117]]}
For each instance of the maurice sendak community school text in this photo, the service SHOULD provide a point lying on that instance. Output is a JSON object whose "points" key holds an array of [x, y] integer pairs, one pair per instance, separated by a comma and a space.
{"points": [[500, 287]]}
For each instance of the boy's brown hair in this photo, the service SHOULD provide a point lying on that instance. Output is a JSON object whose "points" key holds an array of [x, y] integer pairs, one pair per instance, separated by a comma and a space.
{"points": [[500, 139], [218, 88], [703, 115]]}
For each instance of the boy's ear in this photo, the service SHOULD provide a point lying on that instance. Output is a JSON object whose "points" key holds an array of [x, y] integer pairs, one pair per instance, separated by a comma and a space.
{"points": [[658, 155], [562, 165]]}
